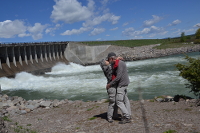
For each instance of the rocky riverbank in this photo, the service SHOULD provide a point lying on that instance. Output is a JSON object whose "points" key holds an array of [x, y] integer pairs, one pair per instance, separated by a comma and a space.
{"points": [[146, 52], [53, 116]]}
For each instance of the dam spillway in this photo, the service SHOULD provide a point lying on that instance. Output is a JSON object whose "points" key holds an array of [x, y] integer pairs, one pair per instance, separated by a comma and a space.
{"points": [[35, 58]]}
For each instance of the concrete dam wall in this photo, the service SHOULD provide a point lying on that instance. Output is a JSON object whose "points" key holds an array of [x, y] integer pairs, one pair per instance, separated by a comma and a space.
{"points": [[85, 55], [35, 58]]}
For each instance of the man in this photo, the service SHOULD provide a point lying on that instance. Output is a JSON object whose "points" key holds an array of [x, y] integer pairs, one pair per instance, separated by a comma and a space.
{"points": [[121, 80]]}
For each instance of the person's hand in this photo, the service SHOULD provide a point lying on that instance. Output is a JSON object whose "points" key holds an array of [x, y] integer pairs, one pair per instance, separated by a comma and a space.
{"points": [[107, 63], [107, 86], [120, 58]]}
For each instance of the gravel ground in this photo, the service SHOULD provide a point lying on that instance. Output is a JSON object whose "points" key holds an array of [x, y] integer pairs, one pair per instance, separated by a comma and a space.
{"points": [[90, 117]]}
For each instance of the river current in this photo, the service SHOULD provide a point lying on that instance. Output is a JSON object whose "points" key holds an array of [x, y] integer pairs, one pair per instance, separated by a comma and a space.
{"points": [[155, 77]]}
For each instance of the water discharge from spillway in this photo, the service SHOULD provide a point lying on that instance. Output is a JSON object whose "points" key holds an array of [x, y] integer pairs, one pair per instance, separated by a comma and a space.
{"points": [[156, 77]]}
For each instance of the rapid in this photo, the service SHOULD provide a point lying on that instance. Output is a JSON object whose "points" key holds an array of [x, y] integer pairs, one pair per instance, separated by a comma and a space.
{"points": [[155, 77]]}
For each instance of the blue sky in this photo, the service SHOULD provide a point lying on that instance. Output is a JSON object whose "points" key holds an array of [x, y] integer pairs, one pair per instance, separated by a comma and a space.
{"points": [[91, 20]]}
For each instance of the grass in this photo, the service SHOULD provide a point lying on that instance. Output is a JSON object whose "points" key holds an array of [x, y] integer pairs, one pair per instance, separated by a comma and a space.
{"points": [[170, 131], [164, 43], [107, 101], [169, 110], [188, 109], [152, 100], [90, 109], [21, 129], [18, 128], [173, 45], [92, 118], [5, 118], [160, 97], [126, 43]]}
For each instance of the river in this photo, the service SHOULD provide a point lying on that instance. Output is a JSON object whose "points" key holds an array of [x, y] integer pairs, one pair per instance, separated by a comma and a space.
{"points": [[155, 77]]}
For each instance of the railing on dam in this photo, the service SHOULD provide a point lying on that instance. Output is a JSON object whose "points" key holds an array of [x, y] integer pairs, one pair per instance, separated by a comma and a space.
{"points": [[36, 58]]}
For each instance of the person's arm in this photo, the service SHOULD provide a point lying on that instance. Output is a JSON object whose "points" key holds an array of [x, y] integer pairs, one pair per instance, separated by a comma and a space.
{"points": [[105, 66], [119, 74]]}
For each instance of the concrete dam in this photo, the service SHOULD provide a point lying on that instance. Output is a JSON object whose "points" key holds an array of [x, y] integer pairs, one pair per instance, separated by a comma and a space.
{"points": [[38, 58], [35, 58]]}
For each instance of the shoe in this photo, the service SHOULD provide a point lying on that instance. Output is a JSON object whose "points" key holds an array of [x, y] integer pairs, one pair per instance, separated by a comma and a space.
{"points": [[124, 121], [110, 120]]}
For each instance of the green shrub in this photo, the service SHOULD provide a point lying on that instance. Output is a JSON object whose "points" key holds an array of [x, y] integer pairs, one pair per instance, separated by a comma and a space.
{"points": [[191, 72], [197, 34], [197, 41]]}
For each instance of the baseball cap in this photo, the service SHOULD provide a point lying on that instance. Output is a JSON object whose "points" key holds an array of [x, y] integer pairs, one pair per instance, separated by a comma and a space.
{"points": [[111, 54]]}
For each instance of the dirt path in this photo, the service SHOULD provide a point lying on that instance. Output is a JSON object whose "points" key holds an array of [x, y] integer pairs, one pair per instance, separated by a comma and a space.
{"points": [[90, 117]]}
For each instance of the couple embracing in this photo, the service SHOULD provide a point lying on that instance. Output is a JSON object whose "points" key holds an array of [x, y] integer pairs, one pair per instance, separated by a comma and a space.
{"points": [[116, 73]]}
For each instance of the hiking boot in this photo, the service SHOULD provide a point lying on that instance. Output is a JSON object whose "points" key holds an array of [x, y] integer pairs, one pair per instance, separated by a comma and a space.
{"points": [[124, 121], [110, 120]]}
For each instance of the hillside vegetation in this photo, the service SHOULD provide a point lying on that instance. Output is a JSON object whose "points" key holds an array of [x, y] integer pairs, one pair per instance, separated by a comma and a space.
{"points": [[164, 43]]}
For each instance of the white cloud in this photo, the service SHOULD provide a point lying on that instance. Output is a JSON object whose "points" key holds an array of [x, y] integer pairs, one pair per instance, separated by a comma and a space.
{"points": [[187, 32], [75, 31], [178, 32], [138, 37], [36, 31], [175, 22], [128, 31], [71, 11], [152, 30], [104, 2], [114, 19], [24, 35], [51, 30], [97, 31], [91, 5], [197, 25], [99, 19], [114, 28], [150, 22], [9, 29], [88, 25], [98, 39], [125, 24], [190, 31]]}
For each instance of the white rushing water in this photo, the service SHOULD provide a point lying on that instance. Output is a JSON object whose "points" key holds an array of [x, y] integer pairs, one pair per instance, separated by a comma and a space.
{"points": [[154, 76]]}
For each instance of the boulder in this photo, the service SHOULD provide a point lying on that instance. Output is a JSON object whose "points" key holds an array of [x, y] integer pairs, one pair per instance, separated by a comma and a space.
{"points": [[31, 107], [23, 112], [11, 108], [45, 103], [55, 103]]}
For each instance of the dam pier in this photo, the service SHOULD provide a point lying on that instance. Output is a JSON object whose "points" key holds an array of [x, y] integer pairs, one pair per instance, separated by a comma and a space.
{"points": [[35, 58]]}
